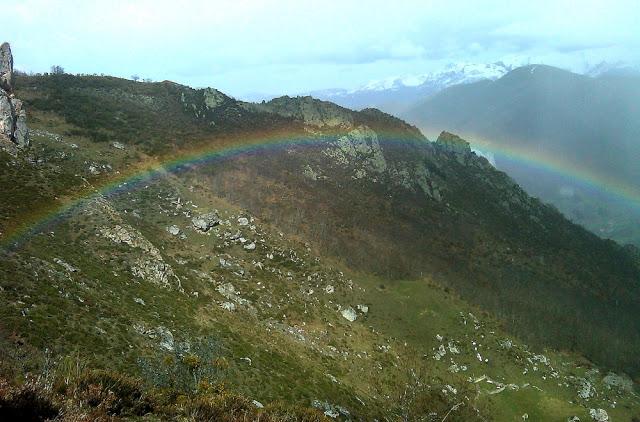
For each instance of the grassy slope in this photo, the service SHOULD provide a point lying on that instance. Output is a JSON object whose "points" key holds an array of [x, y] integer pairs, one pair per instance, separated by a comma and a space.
{"points": [[93, 311]]}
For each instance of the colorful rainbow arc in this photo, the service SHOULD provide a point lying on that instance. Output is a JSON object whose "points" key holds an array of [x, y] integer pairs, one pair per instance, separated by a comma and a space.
{"points": [[263, 145]]}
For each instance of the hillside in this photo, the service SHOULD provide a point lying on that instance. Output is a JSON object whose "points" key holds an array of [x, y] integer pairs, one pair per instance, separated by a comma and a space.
{"points": [[299, 253], [590, 124]]}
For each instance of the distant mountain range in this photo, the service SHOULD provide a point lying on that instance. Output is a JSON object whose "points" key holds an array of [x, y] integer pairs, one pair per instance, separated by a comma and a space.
{"points": [[395, 94]]}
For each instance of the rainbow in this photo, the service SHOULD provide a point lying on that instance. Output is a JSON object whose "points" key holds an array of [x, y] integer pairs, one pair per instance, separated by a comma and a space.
{"points": [[215, 151], [153, 168], [599, 182]]}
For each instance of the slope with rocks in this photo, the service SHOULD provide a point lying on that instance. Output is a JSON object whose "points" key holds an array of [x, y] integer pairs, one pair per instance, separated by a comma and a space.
{"points": [[322, 273]]}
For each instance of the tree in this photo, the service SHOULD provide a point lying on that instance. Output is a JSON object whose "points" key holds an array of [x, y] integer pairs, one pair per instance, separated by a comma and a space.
{"points": [[57, 70], [136, 78]]}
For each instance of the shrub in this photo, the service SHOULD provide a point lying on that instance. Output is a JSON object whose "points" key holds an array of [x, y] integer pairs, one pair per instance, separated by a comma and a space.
{"points": [[25, 403], [116, 394]]}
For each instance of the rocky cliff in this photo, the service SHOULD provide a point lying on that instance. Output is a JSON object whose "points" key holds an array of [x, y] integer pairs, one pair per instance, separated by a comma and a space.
{"points": [[13, 117]]}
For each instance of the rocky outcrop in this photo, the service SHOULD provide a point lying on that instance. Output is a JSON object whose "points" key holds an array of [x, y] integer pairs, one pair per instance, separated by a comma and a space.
{"points": [[312, 112], [6, 67], [13, 117]]}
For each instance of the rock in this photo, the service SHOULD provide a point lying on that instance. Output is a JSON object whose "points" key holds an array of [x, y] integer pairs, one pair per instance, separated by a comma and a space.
{"points": [[6, 116], [6, 67], [586, 390], [13, 117], [118, 145], [20, 131], [243, 221], [349, 314], [599, 415], [139, 301], [451, 143], [66, 265], [362, 308], [205, 222], [573, 419], [257, 404], [229, 306], [166, 338], [618, 382], [329, 289], [173, 230], [251, 246]]}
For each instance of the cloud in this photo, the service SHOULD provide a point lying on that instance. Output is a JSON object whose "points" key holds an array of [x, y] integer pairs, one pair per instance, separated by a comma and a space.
{"points": [[208, 42]]}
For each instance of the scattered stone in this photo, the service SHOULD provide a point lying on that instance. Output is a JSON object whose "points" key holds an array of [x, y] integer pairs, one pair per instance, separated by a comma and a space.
{"points": [[66, 265], [618, 382], [251, 246], [573, 419], [118, 145], [362, 308], [205, 222], [173, 230], [257, 404], [599, 415], [329, 289], [586, 390], [440, 353], [229, 306], [139, 301], [349, 314], [166, 338], [243, 221]]}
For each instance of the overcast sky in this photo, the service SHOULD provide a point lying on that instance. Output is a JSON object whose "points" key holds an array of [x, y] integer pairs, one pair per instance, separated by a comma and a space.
{"points": [[290, 46]]}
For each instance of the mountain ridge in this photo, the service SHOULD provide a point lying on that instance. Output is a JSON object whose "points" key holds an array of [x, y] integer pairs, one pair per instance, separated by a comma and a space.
{"points": [[360, 270]]}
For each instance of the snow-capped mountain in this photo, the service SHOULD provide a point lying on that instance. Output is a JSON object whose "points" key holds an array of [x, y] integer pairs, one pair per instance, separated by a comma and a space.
{"points": [[395, 94], [618, 68]]}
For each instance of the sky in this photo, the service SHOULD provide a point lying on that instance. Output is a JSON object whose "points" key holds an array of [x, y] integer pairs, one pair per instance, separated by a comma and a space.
{"points": [[247, 47]]}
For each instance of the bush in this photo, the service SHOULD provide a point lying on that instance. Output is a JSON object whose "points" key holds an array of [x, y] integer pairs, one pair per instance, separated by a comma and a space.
{"points": [[25, 403], [224, 407], [116, 394]]}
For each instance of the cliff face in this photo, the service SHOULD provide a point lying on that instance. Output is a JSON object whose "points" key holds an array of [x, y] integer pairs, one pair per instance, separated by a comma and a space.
{"points": [[13, 117]]}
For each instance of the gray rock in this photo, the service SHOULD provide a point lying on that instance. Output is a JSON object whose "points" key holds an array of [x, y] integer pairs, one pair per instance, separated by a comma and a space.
{"points": [[363, 308], [6, 67], [599, 415], [243, 221], [65, 265], [21, 132], [166, 338], [173, 230], [349, 314], [13, 117], [205, 222], [618, 382], [118, 145], [6, 116]]}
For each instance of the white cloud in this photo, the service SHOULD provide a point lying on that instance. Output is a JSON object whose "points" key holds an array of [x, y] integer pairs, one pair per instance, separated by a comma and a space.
{"points": [[318, 43]]}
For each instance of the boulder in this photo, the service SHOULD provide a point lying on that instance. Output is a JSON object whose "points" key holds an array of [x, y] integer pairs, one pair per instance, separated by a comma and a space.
{"points": [[204, 222], [6, 67], [349, 314], [599, 415]]}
